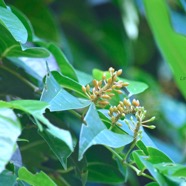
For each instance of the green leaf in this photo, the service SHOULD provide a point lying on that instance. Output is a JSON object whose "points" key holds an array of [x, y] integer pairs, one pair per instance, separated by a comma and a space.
{"points": [[34, 52], [57, 145], [83, 77], [13, 25], [104, 173], [95, 132], [32, 107], [37, 109], [80, 168], [25, 22], [145, 138], [171, 44], [135, 156], [7, 178], [174, 172], [152, 184], [10, 129], [43, 21], [156, 156], [9, 47], [64, 65], [134, 87], [109, 170], [38, 179], [180, 173], [150, 161], [2, 3], [58, 98], [141, 160], [68, 83]]}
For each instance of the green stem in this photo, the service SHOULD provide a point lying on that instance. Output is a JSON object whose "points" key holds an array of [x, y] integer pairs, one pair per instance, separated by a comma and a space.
{"points": [[111, 127], [75, 113], [136, 131], [138, 172], [130, 149], [115, 153], [58, 170], [78, 115], [21, 78], [31, 145]]}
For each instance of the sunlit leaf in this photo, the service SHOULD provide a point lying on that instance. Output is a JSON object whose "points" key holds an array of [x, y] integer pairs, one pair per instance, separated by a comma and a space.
{"points": [[171, 44], [13, 25], [150, 160], [134, 87], [9, 47], [10, 129], [83, 77], [156, 156], [37, 109], [58, 98], [141, 160], [38, 179], [25, 21]]}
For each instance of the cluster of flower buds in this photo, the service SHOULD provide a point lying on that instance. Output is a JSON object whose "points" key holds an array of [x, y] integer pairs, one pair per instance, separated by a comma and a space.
{"points": [[123, 108], [106, 88], [126, 107]]}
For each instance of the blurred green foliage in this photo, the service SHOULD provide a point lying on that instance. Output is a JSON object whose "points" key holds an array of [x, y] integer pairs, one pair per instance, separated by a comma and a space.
{"points": [[142, 37]]}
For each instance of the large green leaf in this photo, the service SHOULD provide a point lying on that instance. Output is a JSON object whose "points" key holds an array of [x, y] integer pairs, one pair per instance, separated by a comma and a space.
{"points": [[20, 51], [64, 65], [26, 23], [100, 158], [59, 147], [83, 77], [9, 47], [40, 16], [38, 179], [37, 109], [141, 161], [171, 44], [174, 172], [7, 178], [134, 87], [10, 129], [95, 132], [58, 98], [68, 83], [149, 160], [13, 25], [156, 156]]}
